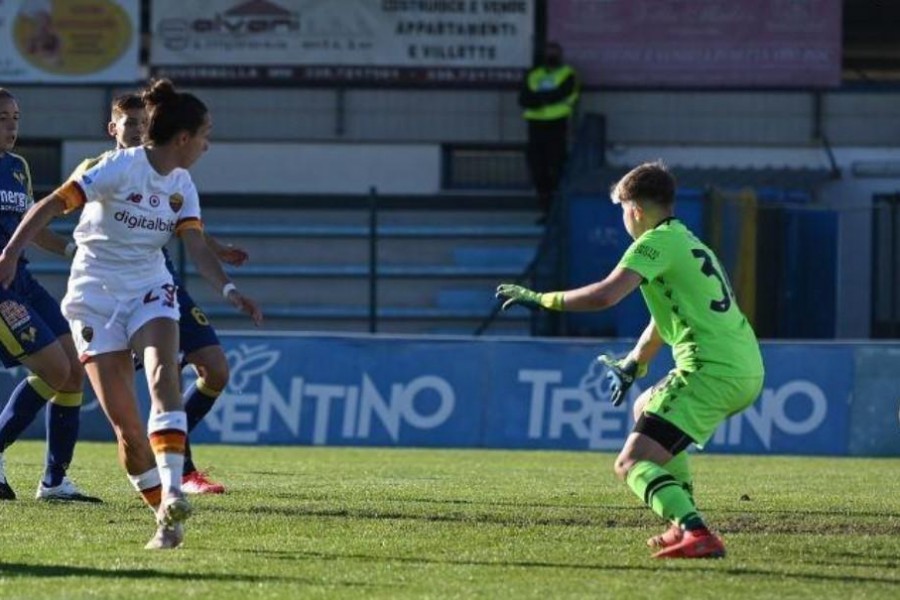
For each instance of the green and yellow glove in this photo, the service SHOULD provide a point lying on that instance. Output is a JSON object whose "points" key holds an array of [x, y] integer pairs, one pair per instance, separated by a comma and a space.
{"points": [[516, 294]]}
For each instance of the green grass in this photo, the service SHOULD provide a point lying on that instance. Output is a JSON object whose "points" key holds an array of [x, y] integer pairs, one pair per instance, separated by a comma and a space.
{"points": [[388, 523]]}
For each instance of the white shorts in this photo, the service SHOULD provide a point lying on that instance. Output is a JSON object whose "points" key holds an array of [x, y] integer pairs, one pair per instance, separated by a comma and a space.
{"points": [[101, 322]]}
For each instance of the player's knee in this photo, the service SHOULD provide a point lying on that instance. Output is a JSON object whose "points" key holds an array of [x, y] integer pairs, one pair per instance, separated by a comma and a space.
{"points": [[216, 378], [214, 372], [58, 376], [622, 465]]}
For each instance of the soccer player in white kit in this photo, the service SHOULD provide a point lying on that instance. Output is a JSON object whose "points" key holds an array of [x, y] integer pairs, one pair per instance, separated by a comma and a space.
{"points": [[121, 297]]}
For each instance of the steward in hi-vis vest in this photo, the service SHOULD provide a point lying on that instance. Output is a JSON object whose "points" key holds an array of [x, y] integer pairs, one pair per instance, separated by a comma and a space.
{"points": [[548, 96], [551, 93]]}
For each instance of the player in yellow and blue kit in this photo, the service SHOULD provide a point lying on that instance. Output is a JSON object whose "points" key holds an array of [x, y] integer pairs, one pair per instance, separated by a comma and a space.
{"points": [[718, 365], [34, 333]]}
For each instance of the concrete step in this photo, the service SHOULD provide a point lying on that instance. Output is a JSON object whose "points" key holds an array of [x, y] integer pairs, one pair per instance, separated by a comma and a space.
{"points": [[348, 251], [346, 291], [406, 325]]}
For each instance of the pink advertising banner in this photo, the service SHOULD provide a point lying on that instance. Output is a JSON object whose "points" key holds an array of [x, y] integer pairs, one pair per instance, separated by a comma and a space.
{"points": [[700, 43]]}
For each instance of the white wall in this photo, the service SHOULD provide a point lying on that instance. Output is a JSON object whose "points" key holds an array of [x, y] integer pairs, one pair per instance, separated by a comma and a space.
{"points": [[272, 168], [721, 118], [853, 197]]}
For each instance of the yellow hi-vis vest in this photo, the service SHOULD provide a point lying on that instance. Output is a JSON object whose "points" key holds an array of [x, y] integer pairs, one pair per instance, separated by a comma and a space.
{"points": [[540, 79]]}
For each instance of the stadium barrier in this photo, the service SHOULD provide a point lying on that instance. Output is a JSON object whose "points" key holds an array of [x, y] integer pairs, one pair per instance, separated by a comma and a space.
{"points": [[473, 253], [818, 399]]}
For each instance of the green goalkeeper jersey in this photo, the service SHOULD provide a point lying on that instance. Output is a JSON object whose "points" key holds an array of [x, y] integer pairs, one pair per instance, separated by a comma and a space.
{"points": [[691, 302]]}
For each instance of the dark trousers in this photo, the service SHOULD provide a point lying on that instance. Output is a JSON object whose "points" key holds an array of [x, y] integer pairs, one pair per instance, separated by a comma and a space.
{"points": [[546, 155]]}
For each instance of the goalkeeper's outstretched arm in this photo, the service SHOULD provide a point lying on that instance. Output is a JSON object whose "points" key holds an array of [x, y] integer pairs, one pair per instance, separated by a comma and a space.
{"points": [[595, 296], [602, 294]]}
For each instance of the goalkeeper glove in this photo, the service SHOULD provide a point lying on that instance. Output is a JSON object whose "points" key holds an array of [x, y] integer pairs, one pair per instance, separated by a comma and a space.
{"points": [[516, 294], [621, 374]]}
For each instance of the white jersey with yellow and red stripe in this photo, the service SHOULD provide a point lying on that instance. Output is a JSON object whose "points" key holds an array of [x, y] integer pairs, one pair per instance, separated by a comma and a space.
{"points": [[129, 213]]}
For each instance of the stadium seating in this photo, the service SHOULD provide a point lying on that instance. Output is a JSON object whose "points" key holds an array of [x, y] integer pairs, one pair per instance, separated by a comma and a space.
{"points": [[310, 266]]}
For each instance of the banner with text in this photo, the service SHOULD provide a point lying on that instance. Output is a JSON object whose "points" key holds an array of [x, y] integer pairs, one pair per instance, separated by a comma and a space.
{"points": [[489, 393], [701, 43], [450, 42], [52, 41]]}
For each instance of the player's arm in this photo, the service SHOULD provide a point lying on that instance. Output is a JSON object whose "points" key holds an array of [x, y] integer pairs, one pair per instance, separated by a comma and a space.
{"points": [[211, 270], [53, 242], [227, 253], [648, 345], [595, 296], [35, 220]]}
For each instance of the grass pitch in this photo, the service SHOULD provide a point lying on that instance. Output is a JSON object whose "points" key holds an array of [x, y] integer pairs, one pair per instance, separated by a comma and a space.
{"points": [[391, 523]]}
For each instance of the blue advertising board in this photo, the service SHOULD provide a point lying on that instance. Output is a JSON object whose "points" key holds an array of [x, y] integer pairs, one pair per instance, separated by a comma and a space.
{"points": [[874, 425], [555, 396], [488, 393]]}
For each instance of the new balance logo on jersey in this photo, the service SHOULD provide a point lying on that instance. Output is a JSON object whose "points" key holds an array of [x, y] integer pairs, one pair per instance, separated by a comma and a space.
{"points": [[136, 198], [140, 222]]}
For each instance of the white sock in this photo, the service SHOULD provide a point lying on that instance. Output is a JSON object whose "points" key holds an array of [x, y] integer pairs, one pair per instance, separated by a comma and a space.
{"points": [[168, 432]]}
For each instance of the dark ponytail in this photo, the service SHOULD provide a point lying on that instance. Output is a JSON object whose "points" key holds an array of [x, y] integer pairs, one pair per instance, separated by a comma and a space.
{"points": [[171, 111]]}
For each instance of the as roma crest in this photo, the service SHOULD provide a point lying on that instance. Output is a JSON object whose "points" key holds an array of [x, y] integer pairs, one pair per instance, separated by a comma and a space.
{"points": [[175, 202]]}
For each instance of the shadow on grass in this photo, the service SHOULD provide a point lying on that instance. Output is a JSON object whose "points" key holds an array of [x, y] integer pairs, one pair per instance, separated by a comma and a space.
{"points": [[517, 520], [656, 568], [637, 506], [802, 523], [857, 564], [8, 569]]}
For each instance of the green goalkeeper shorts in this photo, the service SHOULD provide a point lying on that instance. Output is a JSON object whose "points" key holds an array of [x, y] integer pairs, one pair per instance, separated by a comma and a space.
{"points": [[697, 403]]}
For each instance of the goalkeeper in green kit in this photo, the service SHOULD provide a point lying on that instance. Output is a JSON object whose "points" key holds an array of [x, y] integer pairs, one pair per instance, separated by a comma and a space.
{"points": [[718, 366]]}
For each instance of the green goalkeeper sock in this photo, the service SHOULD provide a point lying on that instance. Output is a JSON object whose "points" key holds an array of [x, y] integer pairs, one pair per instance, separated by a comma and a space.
{"points": [[680, 468], [662, 492]]}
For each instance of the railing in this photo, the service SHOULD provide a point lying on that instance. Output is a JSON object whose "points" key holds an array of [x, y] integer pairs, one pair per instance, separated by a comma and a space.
{"points": [[369, 270], [548, 269]]}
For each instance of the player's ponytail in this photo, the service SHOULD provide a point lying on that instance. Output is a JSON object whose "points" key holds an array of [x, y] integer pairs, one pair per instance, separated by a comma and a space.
{"points": [[171, 111]]}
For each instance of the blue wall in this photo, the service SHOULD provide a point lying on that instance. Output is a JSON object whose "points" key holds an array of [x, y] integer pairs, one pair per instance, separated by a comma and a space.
{"points": [[596, 240], [796, 262], [514, 393]]}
